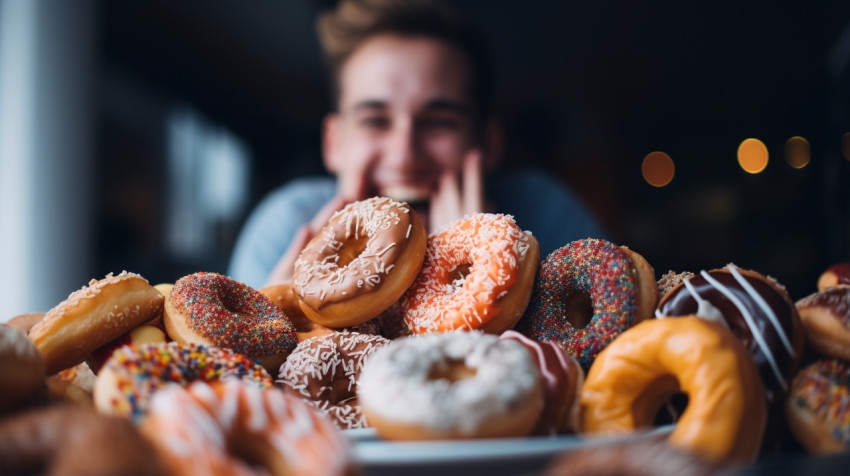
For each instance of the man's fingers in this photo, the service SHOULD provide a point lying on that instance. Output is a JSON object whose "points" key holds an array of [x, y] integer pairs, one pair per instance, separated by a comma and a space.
{"points": [[473, 183]]}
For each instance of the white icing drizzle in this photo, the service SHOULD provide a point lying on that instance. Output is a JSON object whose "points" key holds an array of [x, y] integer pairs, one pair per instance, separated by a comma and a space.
{"points": [[749, 319], [771, 316], [541, 356], [395, 381], [705, 309]]}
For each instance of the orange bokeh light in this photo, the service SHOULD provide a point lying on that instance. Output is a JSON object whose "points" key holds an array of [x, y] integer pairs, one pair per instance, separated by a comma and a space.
{"points": [[798, 152], [752, 156], [658, 169]]}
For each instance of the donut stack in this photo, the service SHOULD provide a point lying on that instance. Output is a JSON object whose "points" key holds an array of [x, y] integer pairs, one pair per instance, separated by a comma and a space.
{"points": [[463, 334]]}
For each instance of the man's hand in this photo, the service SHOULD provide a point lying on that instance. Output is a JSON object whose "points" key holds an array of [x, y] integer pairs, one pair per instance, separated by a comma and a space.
{"points": [[459, 193]]}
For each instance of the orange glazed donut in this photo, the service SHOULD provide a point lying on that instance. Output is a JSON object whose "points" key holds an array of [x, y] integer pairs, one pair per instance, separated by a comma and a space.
{"points": [[21, 368], [92, 317], [133, 374], [644, 366], [826, 321], [214, 310], [451, 385], [478, 274], [229, 428], [324, 370], [361, 262]]}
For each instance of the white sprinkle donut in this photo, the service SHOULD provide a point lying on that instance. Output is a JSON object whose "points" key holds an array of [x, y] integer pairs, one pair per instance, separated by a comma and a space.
{"points": [[361, 263], [453, 385]]}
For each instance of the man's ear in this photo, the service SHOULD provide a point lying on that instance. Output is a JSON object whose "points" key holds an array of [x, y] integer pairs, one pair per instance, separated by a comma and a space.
{"points": [[493, 139], [330, 132]]}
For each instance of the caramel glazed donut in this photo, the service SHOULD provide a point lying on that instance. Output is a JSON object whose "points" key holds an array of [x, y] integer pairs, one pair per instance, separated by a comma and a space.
{"points": [[324, 371], [452, 385], [826, 320], [361, 263], [726, 414], [756, 309]]}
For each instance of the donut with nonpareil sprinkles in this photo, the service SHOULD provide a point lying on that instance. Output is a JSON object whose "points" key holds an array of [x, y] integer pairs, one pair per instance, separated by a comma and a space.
{"points": [[478, 274], [228, 428], [214, 310], [756, 309], [129, 378], [324, 371], [818, 407], [586, 294], [361, 262]]}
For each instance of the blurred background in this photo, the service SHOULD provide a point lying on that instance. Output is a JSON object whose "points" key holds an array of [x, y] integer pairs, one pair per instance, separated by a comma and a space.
{"points": [[137, 135]]}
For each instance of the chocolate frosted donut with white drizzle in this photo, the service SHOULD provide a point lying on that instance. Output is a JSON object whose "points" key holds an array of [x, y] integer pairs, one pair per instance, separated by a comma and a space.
{"points": [[756, 309], [361, 263]]}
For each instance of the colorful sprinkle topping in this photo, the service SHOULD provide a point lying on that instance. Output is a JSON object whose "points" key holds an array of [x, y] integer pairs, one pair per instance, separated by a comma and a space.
{"points": [[591, 266], [233, 315], [824, 389], [142, 370]]}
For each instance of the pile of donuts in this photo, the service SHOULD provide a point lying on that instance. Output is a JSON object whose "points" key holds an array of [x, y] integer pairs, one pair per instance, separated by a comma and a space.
{"points": [[466, 333]]}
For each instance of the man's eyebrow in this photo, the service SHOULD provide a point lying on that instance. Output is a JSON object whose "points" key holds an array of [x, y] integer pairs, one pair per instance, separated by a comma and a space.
{"points": [[369, 104], [448, 105]]}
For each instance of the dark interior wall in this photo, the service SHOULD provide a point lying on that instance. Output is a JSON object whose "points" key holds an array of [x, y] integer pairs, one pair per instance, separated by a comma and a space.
{"points": [[586, 89]]}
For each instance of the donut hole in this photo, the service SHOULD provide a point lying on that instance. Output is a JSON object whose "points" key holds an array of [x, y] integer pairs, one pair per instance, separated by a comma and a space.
{"points": [[351, 249], [451, 371], [579, 309], [654, 399], [459, 274]]}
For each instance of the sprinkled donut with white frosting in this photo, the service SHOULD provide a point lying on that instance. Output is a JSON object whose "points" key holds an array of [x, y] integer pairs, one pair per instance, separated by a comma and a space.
{"points": [[756, 309], [361, 263], [324, 371], [451, 385]]}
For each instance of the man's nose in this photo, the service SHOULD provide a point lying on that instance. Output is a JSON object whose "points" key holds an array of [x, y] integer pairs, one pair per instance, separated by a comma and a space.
{"points": [[402, 148]]}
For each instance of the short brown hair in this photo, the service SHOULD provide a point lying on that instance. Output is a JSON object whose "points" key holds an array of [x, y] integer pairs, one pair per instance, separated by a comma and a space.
{"points": [[343, 29]]}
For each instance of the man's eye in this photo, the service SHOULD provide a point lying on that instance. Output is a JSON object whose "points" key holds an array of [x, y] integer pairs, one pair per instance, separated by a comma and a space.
{"points": [[374, 122]]}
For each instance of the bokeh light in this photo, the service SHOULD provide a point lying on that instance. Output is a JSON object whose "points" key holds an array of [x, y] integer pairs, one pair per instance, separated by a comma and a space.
{"points": [[658, 169], [752, 156], [798, 152], [845, 145]]}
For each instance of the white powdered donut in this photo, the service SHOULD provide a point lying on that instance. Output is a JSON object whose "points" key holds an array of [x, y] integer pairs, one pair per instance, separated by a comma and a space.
{"points": [[453, 385]]}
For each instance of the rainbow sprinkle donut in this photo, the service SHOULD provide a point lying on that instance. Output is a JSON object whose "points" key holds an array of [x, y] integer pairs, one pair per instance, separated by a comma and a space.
{"points": [[818, 406], [214, 310], [130, 377], [593, 267]]}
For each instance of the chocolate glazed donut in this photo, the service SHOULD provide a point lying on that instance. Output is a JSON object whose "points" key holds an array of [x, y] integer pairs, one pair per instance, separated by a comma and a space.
{"points": [[757, 310]]}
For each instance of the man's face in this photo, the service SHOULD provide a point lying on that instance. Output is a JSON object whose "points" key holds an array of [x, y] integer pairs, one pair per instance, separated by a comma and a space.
{"points": [[405, 116]]}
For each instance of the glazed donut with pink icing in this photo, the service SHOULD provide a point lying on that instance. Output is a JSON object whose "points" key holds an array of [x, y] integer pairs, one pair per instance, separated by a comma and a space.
{"points": [[361, 262], [324, 371], [562, 380]]}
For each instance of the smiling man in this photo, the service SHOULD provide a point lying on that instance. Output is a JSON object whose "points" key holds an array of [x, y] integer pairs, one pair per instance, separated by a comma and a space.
{"points": [[412, 122]]}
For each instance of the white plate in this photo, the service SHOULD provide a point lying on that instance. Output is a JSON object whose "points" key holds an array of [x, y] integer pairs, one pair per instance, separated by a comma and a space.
{"points": [[493, 456]]}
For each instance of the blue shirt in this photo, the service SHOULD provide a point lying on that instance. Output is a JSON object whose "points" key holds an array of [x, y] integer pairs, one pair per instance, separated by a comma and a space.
{"points": [[537, 202]]}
